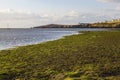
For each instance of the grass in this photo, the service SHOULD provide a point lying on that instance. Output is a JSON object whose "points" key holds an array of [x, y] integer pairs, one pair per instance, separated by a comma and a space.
{"points": [[88, 56], [107, 25]]}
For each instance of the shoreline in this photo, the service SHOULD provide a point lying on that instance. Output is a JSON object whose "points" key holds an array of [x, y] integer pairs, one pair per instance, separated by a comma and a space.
{"points": [[75, 33], [15, 47], [92, 55]]}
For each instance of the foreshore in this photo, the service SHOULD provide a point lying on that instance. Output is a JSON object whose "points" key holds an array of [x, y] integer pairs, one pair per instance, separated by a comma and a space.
{"points": [[40, 42], [89, 56]]}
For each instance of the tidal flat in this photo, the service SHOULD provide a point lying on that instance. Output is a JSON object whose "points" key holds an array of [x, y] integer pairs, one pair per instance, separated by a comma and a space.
{"points": [[89, 56]]}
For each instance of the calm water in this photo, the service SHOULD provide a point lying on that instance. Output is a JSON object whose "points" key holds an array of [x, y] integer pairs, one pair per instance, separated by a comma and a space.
{"points": [[10, 38]]}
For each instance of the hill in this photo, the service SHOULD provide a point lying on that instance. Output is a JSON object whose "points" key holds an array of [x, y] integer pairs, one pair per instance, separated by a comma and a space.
{"points": [[83, 25], [107, 24]]}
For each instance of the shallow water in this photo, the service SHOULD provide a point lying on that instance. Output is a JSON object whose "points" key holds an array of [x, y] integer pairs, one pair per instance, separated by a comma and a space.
{"points": [[10, 38]]}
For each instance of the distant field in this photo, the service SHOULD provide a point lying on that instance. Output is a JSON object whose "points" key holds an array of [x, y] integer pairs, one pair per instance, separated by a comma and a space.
{"points": [[109, 24], [88, 56]]}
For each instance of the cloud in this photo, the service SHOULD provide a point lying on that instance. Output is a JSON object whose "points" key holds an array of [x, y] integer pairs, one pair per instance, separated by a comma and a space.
{"points": [[118, 8], [22, 18], [73, 13], [84, 18], [115, 1], [115, 7]]}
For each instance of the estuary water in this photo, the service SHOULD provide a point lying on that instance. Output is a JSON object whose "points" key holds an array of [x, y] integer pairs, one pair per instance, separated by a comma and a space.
{"points": [[10, 38]]}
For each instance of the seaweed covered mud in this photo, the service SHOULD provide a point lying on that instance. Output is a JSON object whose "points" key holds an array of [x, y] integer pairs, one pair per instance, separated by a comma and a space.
{"points": [[89, 56]]}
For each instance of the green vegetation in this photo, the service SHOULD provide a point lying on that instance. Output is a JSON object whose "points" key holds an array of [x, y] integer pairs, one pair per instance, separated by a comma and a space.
{"points": [[88, 56], [108, 24]]}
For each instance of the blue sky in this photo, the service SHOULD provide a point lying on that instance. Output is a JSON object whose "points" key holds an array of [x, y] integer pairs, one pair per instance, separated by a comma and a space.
{"points": [[29, 13]]}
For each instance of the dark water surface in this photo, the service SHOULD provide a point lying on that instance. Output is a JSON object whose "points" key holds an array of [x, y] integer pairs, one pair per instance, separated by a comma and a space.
{"points": [[10, 38]]}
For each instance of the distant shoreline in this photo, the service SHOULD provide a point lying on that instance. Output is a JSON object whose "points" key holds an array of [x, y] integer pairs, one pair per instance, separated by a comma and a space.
{"points": [[106, 24], [78, 26]]}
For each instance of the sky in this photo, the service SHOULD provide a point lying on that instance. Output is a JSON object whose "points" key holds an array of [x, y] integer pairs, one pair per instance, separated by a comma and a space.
{"points": [[30, 13]]}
